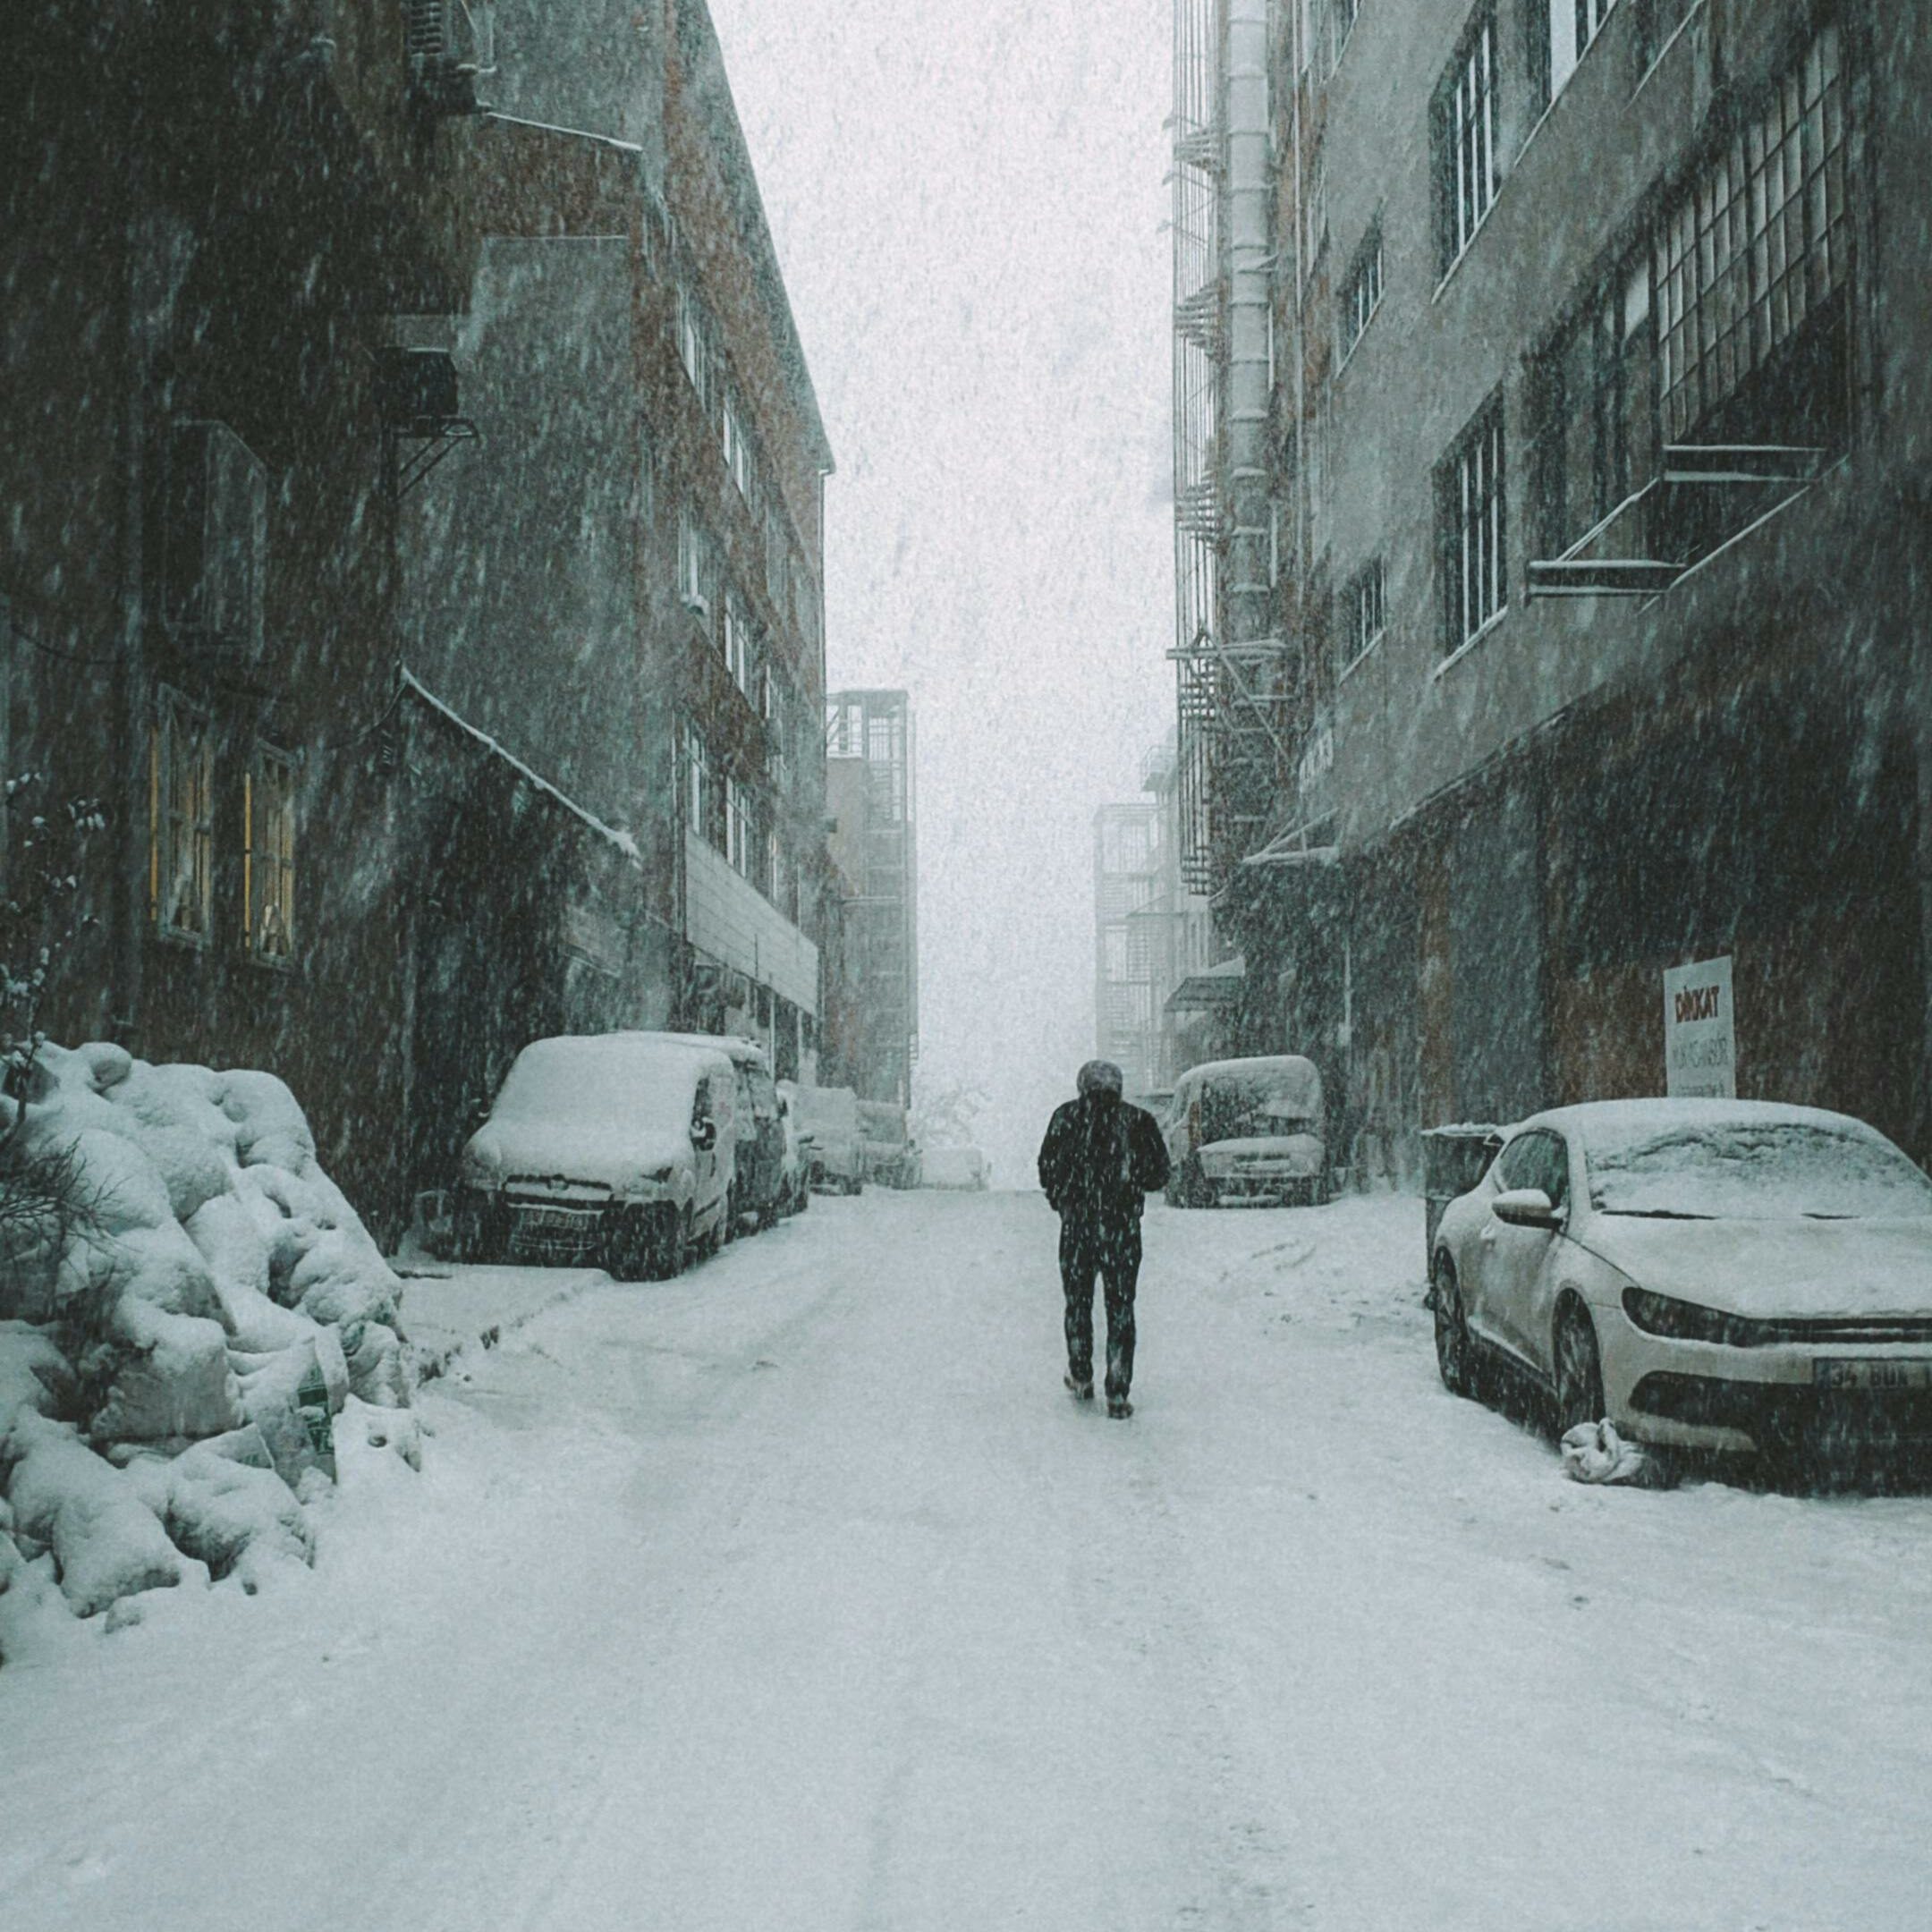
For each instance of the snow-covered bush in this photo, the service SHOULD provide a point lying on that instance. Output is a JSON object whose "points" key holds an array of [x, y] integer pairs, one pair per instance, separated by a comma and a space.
{"points": [[174, 1354]]}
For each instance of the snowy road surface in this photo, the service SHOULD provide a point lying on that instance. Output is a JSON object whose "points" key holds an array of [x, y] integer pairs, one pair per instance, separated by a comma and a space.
{"points": [[798, 1594]]}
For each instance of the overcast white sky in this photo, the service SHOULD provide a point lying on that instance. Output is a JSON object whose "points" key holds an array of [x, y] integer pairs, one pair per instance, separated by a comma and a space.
{"points": [[968, 204]]}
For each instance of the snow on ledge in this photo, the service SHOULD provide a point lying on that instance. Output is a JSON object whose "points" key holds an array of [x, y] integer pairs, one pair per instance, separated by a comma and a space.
{"points": [[612, 834]]}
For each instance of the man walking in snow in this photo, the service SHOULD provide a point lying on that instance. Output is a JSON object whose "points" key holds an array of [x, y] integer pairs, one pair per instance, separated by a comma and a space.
{"points": [[1099, 1161]]}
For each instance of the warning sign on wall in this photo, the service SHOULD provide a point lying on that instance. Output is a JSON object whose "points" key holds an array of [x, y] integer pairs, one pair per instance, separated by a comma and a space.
{"points": [[1700, 1031]]}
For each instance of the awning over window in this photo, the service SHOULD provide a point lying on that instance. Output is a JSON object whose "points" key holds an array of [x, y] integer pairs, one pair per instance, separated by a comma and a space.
{"points": [[1211, 990]]}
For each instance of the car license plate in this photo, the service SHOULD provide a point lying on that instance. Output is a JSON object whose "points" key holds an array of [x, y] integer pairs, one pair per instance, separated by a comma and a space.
{"points": [[552, 1221], [1837, 1373]]}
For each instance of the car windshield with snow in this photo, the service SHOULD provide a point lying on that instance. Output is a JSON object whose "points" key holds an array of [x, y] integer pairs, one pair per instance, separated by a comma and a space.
{"points": [[1777, 1169], [1718, 1276]]}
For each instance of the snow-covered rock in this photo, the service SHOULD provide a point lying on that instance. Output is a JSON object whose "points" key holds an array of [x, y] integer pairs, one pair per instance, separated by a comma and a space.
{"points": [[174, 1353]]}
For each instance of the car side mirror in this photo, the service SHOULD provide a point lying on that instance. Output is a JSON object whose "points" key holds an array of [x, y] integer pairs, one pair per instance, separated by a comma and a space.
{"points": [[1526, 1207], [704, 1135]]}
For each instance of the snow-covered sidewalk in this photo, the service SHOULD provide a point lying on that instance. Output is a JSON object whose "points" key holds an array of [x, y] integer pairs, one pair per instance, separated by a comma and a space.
{"points": [[797, 1594]]}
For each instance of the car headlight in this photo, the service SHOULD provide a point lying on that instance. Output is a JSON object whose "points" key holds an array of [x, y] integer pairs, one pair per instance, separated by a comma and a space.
{"points": [[1686, 1321]]}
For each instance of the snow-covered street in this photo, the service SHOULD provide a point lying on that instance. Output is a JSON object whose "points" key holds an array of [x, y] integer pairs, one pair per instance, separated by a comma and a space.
{"points": [[796, 1593]]}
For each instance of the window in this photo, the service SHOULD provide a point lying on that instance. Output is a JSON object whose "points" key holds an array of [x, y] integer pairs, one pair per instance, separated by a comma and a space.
{"points": [[770, 875], [1573, 24], [703, 801], [181, 802], [1361, 294], [737, 450], [774, 557], [1314, 215], [1471, 517], [694, 344], [738, 827], [696, 567], [1751, 261], [1593, 401], [738, 641], [1363, 617], [268, 856], [1465, 138]]}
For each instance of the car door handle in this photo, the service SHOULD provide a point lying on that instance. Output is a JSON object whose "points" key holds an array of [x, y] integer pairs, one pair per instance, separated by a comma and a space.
{"points": [[1488, 1237]]}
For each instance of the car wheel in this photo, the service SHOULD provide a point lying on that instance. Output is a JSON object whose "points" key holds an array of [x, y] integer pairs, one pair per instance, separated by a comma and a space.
{"points": [[670, 1252], [1455, 1358], [1196, 1190], [628, 1250], [1580, 1391], [803, 1200]]}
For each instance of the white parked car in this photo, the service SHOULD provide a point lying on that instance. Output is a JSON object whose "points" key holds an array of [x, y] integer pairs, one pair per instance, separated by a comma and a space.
{"points": [[962, 1167], [1716, 1275], [830, 1114], [1247, 1130], [612, 1146]]}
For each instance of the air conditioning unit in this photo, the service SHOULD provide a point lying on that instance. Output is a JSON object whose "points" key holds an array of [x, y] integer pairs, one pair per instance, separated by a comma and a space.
{"points": [[213, 540], [451, 46]]}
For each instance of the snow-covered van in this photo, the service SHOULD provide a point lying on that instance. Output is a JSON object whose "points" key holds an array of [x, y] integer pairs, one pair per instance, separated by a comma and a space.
{"points": [[619, 1146], [1247, 1130], [830, 1115]]}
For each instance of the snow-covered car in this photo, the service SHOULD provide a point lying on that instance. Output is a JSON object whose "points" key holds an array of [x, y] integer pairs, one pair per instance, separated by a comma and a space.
{"points": [[1247, 1130], [1714, 1274], [618, 1145], [830, 1114], [795, 1191], [960, 1168]]}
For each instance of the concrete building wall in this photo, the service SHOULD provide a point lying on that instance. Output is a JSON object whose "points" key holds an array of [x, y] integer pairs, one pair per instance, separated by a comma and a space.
{"points": [[1535, 826]]}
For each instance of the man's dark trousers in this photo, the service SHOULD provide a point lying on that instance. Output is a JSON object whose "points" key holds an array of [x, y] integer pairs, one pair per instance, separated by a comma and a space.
{"points": [[1112, 1249]]}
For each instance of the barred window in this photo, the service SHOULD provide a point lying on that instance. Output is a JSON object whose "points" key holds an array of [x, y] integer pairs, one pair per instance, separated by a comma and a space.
{"points": [[1474, 532], [268, 856], [1364, 615], [1465, 138], [1361, 294], [1757, 245], [181, 807]]}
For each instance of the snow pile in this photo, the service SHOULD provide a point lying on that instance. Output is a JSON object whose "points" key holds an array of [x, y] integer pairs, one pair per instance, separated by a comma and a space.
{"points": [[178, 1349]]}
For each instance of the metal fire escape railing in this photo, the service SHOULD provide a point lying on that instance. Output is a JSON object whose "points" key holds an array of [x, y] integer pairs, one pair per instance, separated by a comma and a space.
{"points": [[1228, 663]]}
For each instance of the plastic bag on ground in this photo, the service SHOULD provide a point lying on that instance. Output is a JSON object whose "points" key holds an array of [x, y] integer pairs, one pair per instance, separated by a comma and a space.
{"points": [[1594, 1452]]}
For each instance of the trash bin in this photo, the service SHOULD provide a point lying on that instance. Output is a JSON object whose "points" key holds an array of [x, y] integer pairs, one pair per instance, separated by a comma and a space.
{"points": [[1454, 1160]]}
